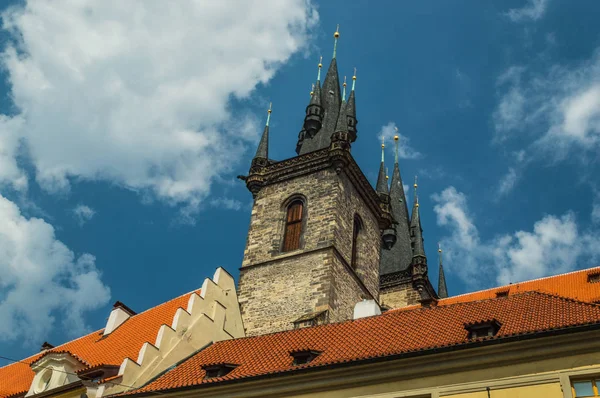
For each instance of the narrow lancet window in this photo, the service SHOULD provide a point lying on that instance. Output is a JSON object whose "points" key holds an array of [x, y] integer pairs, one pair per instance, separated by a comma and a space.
{"points": [[355, 236], [293, 226]]}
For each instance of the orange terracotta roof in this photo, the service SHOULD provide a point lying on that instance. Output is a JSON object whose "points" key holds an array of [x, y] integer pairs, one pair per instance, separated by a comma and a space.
{"points": [[94, 349], [573, 284], [392, 333]]}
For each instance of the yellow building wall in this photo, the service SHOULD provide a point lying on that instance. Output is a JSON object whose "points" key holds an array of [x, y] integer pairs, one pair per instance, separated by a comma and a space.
{"points": [[551, 390]]}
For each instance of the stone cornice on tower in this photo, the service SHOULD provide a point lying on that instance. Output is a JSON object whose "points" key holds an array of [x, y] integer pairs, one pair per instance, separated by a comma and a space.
{"points": [[337, 156]]}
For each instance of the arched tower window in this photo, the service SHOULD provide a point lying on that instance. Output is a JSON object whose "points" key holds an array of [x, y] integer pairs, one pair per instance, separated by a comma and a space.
{"points": [[293, 226], [356, 230]]}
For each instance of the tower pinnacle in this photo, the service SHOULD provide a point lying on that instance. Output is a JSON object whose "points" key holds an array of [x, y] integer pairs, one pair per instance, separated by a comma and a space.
{"points": [[354, 79], [382, 187], [442, 290], [336, 35], [320, 66], [344, 91], [396, 138]]}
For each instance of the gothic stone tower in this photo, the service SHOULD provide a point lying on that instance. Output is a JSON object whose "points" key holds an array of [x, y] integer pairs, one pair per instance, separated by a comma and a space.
{"points": [[316, 228]]}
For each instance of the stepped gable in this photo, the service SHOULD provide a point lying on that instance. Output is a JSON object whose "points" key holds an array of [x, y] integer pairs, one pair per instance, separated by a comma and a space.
{"points": [[95, 349], [582, 285], [389, 335]]}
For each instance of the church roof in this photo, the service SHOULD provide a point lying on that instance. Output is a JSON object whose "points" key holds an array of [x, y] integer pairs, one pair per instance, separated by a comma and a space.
{"points": [[95, 349], [387, 336], [582, 285]]}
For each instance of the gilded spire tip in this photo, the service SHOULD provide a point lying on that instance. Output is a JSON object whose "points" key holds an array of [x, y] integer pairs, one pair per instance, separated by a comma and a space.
{"points": [[344, 90], [440, 252], [320, 66], [269, 113], [335, 36], [396, 138], [416, 195], [387, 177], [354, 79], [312, 90], [382, 149]]}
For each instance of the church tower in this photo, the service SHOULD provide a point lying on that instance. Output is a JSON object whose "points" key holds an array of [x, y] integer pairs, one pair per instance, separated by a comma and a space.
{"points": [[317, 226]]}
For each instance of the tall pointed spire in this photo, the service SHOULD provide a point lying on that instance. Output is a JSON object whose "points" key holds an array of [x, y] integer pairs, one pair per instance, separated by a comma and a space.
{"points": [[262, 151], [382, 187], [399, 257], [351, 110], [442, 290], [416, 232], [330, 102]]}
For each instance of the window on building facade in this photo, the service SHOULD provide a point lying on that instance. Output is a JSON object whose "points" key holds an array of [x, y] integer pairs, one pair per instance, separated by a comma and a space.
{"points": [[218, 370], [293, 226], [585, 388], [304, 357], [356, 230]]}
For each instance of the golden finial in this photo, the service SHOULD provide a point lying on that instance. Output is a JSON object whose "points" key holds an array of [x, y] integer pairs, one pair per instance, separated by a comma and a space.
{"points": [[416, 196], [320, 66], [440, 252], [354, 79], [382, 148], [269, 112], [396, 137], [336, 35], [387, 177], [344, 90], [312, 90]]}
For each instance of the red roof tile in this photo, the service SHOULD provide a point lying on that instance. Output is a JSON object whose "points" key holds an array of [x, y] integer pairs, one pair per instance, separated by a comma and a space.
{"points": [[94, 349], [392, 333], [573, 284]]}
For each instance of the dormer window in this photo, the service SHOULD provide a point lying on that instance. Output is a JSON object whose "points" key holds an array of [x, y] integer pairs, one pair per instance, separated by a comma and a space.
{"points": [[218, 370], [502, 293], [594, 277], [480, 330], [304, 357]]}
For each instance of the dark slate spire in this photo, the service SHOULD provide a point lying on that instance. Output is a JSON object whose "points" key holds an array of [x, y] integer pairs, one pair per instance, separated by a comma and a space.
{"points": [[382, 187], [416, 232], [398, 258], [330, 101], [442, 290], [351, 111], [263, 147], [261, 158]]}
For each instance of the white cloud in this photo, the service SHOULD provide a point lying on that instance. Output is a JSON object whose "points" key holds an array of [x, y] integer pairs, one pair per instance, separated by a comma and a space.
{"points": [[138, 93], [508, 182], [226, 203], [41, 279], [83, 214], [534, 10], [555, 245], [559, 109], [405, 151]]}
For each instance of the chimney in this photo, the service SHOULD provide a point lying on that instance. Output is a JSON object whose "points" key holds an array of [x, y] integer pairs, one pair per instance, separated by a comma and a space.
{"points": [[118, 315], [366, 308]]}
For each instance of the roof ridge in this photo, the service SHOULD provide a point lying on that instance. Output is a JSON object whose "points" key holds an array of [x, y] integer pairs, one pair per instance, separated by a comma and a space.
{"points": [[521, 282], [565, 298], [60, 348]]}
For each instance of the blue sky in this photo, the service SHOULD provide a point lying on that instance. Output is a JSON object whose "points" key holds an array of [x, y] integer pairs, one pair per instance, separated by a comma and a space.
{"points": [[123, 128]]}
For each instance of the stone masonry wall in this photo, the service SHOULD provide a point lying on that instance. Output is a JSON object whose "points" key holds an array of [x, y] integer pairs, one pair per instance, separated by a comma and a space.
{"points": [[276, 288], [349, 204], [272, 296], [267, 222], [399, 296]]}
